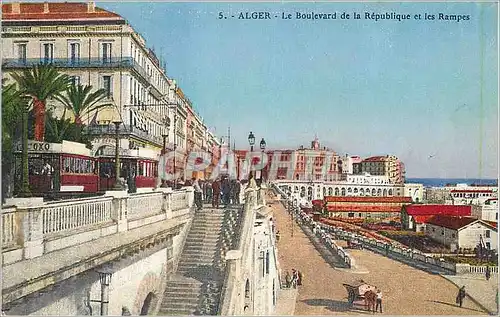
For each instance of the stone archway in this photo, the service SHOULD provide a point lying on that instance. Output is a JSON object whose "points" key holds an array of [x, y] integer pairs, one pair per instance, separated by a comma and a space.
{"points": [[148, 303], [150, 284]]}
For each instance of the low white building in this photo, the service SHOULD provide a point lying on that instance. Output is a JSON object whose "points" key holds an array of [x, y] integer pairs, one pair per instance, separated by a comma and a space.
{"points": [[462, 232], [487, 211], [367, 179], [471, 196], [415, 191]]}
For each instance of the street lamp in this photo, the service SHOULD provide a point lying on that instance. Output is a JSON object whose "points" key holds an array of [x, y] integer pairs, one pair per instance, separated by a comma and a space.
{"points": [[251, 140], [118, 185], [262, 148], [105, 279], [164, 151]]}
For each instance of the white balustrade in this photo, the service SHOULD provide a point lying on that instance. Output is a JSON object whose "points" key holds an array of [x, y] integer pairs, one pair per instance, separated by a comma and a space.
{"points": [[180, 200], [9, 227], [71, 215], [144, 205]]}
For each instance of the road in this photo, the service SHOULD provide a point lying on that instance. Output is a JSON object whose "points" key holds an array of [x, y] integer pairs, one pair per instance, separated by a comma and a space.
{"points": [[406, 291]]}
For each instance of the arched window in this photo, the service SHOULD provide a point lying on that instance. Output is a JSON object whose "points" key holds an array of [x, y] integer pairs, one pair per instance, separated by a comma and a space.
{"points": [[373, 192], [336, 191], [343, 191], [385, 192], [355, 190], [390, 192], [379, 192], [330, 191]]}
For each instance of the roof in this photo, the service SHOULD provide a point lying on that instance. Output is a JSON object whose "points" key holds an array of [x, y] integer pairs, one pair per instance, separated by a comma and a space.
{"points": [[358, 208], [368, 199], [375, 159], [430, 210], [451, 222], [422, 219], [472, 191], [57, 11]]}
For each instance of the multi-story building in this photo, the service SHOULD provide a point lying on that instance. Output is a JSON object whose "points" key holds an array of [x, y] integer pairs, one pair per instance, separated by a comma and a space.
{"points": [[415, 191], [388, 165], [99, 48], [365, 207]]}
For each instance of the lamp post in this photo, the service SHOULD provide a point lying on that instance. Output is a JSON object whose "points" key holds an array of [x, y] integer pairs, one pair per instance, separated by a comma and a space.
{"points": [[251, 140], [117, 186], [262, 148], [105, 279], [164, 151]]}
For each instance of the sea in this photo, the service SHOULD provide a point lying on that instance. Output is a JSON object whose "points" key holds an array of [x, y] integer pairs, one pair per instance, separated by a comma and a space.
{"points": [[441, 182]]}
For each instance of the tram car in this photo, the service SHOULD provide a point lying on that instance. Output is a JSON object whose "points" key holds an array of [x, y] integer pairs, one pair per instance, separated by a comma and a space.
{"points": [[139, 168], [69, 169], [66, 167]]}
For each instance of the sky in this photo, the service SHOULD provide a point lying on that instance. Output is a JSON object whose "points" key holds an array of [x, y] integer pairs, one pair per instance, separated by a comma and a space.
{"points": [[423, 90]]}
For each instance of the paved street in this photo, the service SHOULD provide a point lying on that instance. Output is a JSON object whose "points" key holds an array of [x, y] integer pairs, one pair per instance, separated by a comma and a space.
{"points": [[406, 290], [481, 290]]}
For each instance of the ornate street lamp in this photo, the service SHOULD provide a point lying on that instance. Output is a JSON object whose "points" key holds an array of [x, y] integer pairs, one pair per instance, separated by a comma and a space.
{"points": [[105, 279], [262, 148], [164, 151], [118, 185], [251, 140]]}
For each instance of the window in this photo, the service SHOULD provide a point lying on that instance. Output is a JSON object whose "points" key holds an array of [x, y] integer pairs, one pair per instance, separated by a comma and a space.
{"points": [[48, 52], [106, 85], [75, 80], [487, 235], [350, 215], [21, 52], [488, 246], [106, 52], [453, 235], [74, 52]]}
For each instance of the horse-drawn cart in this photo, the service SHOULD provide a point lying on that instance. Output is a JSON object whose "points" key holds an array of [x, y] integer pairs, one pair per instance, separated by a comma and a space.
{"points": [[360, 293]]}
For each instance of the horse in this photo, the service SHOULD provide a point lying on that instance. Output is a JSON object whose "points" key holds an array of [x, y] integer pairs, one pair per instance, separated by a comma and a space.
{"points": [[370, 300]]}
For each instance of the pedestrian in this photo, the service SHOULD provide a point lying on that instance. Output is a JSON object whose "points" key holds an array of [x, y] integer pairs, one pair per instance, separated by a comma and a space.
{"points": [[295, 278], [488, 273], [460, 296], [299, 278], [198, 194], [379, 301], [237, 190], [288, 279], [216, 193], [277, 236], [226, 191]]}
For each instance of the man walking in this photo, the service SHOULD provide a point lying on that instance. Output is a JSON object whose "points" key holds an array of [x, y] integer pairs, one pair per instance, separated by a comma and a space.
{"points": [[216, 193], [198, 193], [488, 273], [460, 296], [379, 301]]}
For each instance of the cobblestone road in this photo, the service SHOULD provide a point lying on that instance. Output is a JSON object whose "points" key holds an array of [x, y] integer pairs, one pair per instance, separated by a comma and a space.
{"points": [[407, 291]]}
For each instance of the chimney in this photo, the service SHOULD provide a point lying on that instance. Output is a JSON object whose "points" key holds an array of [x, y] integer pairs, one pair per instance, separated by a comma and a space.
{"points": [[16, 7], [90, 7], [45, 7]]}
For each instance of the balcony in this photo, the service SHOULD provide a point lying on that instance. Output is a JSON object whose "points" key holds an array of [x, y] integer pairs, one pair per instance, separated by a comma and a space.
{"points": [[115, 62], [123, 130]]}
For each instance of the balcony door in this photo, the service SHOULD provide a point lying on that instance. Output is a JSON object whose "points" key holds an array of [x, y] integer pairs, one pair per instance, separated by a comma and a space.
{"points": [[74, 53]]}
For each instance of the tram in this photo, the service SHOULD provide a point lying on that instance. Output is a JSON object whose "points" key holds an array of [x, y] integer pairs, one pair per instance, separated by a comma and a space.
{"points": [[69, 169], [57, 167]]}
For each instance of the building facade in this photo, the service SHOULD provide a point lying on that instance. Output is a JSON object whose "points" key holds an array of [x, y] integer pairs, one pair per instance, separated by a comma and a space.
{"points": [[487, 211], [99, 48], [415, 216], [365, 207], [388, 165], [462, 232]]}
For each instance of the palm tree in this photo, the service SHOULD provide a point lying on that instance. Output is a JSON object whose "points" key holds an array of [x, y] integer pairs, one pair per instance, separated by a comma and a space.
{"points": [[41, 82], [15, 107], [82, 102]]}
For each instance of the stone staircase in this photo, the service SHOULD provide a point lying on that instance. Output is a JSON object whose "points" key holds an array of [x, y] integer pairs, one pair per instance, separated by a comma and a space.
{"points": [[195, 288]]}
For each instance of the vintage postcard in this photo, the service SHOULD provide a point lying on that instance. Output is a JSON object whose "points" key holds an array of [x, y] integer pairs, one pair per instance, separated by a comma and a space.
{"points": [[249, 158]]}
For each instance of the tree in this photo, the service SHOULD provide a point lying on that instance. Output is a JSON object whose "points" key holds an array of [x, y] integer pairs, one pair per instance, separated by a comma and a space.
{"points": [[41, 82], [15, 108], [81, 101]]}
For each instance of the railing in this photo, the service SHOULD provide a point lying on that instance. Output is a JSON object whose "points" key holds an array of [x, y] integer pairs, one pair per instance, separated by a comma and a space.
{"points": [[122, 129], [9, 227], [232, 286], [71, 215], [144, 205], [46, 227], [113, 62], [473, 269]]}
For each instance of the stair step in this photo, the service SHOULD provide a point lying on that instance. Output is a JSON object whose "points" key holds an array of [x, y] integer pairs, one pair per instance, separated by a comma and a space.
{"points": [[176, 312], [180, 304]]}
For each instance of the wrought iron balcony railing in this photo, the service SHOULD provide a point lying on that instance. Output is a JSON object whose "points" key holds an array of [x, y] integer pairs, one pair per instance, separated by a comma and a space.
{"points": [[104, 129], [114, 62]]}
